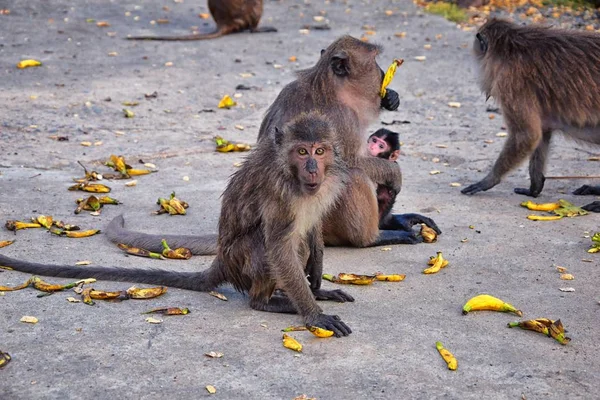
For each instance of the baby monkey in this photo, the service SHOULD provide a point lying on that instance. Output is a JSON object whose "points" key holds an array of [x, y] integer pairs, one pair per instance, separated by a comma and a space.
{"points": [[385, 144]]}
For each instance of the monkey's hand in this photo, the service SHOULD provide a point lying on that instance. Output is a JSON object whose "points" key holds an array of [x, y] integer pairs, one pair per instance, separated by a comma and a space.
{"points": [[331, 323], [391, 100], [587, 190], [336, 295], [592, 207], [405, 222]]}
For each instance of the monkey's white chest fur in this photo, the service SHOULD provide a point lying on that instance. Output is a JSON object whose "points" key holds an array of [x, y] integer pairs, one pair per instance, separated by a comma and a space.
{"points": [[310, 210]]}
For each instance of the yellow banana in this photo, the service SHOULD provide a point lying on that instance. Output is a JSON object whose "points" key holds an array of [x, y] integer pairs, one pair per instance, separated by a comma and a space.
{"points": [[81, 234], [19, 287], [489, 303], [90, 187], [320, 332], [438, 263], [13, 225], [432, 261], [44, 286], [291, 343], [4, 359], [389, 75], [44, 220], [5, 243], [353, 279], [428, 234], [540, 207], [544, 217], [390, 278], [148, 293], [28, 63], [137, 172], [447, 356]]}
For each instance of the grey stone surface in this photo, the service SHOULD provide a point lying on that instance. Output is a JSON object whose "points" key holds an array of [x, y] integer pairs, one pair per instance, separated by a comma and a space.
{"points": [[109, 351]]}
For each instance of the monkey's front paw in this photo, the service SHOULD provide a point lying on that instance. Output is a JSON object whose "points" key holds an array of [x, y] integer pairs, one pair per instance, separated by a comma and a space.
{"points": [[331, 323], [335, 295], [480, 186], [391, 101], [527, 192], [587, 190], [592, 207]]}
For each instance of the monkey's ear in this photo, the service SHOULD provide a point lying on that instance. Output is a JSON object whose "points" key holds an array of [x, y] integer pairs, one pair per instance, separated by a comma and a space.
{"points": [[483, 44], [278, 136], [394, 156], [340, 64]]}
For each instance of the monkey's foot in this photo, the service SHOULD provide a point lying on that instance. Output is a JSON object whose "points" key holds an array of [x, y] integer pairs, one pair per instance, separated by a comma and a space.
{"points": [[587, 190], [527, 192], [396, 237], [276, 304], [335, 295], [481, 186], [405, 222], [331, 323], [592, 207]]}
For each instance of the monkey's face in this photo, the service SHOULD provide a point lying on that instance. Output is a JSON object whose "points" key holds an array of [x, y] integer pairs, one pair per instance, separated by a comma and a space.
{"points": [[379, 147], [310, 162]]}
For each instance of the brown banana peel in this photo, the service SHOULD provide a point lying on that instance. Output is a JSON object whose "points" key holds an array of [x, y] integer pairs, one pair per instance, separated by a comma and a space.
{"points": [[147, 293]]}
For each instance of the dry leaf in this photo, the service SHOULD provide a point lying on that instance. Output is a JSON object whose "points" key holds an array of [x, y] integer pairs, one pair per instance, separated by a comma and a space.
{"points": [[594, 159], [151, 320], [73, 300], [454, 104], [464, 240], [427, 47], [86, 144], [389, 12], [218, 295], [292, 59], [488, 141], [567, 289], [239, 127], [113, 54], [169, 64], [318, 18], [150, 165], [400, 34], [102, 24], [204, 16], [211, 389], [29, 319], [567, 277], [441, 146], [561, 269], [214, 354]]}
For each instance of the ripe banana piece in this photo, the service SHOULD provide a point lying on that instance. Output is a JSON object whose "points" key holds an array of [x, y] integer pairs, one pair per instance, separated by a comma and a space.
{"points": [[489, 303], [530, 205], [544, 217], [447, 356], [438, 263], [320, 332], [291, 343], [389, 75], [147, 293]]}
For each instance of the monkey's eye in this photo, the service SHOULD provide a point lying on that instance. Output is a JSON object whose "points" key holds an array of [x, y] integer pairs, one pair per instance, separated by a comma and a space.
{"points": [[302, 152], [320, 151], [374, 140], [381, 146]]}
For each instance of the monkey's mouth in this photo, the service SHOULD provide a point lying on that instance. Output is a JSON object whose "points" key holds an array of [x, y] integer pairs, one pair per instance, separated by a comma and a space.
{"points": [[311, 188]]}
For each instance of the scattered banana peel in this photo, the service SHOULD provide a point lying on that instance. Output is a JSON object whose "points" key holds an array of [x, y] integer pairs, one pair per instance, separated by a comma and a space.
{"points": [[172, 205], [94, 203], [561, 208], [28, 63], [429, 235], [548, 327], [147, 293], [55, 227], [389, 278], [489, 303], [180, 253], [4, 359], [291, 343], [125, 170], [135, 251], [5, 243], [389, 75], [227, 102], [355, 279], [88, 295], [437, 263], [44, 286], [75, 234], [90, 187], [224, 146], [451, 361], [594, 249], [13, 225], [315, 330], [168, 311]]}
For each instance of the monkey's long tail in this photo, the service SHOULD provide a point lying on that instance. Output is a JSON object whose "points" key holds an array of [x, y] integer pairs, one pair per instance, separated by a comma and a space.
{"points": [[199, 281], [205, 245]]}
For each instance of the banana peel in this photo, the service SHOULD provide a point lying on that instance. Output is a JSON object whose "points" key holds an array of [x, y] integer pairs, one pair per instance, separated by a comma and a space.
{"points": [[102, 295], [135, 251], [44, 286], [390, 278], [530, 205], [180, 253], [65, 227], [489, 303], [594, 249], [389, 75], [13, 225], [568, 209], [147, 293], [557, 331], [291, 343], [451, 361], [28, 63], [80, 234], [18, 287], [548, 327], [224, 146], [320, 332], [428, 234], [226, 102], [172, 205], [438, 263], [544, 217], [44, 220], [168, 311], [90, 187], [4, 359], [86, 296], [5, 243], [353, 279]]}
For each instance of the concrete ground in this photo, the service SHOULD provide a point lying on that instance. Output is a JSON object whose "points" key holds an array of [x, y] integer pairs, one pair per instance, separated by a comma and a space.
{"points": [[109, 350]]}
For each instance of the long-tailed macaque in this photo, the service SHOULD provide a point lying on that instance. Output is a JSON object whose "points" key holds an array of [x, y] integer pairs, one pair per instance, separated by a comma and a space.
{"points": [[384, 144], [230, 16], [545, 80], [270, 233], [344, 85]]}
